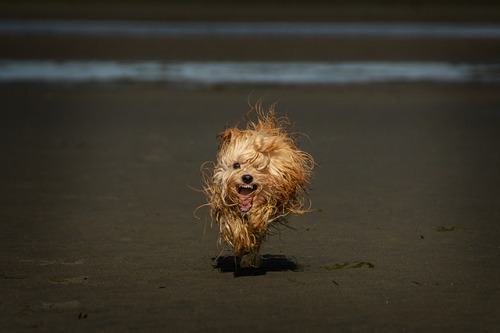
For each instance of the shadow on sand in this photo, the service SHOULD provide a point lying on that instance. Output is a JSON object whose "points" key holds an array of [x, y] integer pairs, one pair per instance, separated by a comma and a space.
{"points": [[268, 263]]}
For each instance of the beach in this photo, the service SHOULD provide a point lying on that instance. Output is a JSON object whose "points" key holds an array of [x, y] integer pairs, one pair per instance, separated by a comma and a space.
{"points": [[103, 224]]}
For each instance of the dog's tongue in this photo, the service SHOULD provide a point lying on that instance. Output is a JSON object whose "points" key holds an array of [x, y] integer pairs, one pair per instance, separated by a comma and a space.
{"points": [[245, 203]]}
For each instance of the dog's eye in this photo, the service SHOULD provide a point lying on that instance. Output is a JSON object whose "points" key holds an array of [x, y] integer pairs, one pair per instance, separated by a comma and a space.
{"points": [[236, 165]]}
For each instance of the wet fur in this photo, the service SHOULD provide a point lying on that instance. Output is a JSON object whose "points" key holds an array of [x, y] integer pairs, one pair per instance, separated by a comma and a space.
{"points": [[280, 172]]}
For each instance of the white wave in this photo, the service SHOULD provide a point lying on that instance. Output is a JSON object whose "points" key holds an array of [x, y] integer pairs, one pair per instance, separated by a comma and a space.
{"points": [[210, 73]]}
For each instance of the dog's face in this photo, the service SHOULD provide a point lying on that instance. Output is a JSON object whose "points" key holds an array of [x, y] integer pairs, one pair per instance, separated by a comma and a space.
{"points": [[245, 170]]}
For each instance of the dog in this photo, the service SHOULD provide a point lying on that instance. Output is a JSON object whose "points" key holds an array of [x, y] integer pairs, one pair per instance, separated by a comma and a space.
{"points": [[260, 177]]}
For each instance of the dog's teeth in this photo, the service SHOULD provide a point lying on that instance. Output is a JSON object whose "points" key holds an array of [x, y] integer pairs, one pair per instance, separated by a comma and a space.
{"points": [[246, 189]]}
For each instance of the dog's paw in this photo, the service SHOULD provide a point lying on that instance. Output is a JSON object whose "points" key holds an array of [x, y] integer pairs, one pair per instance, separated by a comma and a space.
{"points": [[250, 260]]}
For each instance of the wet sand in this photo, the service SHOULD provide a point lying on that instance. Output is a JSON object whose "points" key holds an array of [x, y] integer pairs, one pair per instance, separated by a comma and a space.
{"points": [[251, 49], [97, 212], [97, 204]]}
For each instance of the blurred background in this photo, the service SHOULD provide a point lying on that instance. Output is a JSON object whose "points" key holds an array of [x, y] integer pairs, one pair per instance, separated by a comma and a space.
{"points": [[261, 42]]}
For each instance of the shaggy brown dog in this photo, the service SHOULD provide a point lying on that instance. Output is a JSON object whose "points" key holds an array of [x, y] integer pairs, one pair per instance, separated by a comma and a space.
{"points": [[260, 177]]}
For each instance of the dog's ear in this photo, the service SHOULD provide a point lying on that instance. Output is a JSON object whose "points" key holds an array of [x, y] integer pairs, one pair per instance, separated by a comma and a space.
{"points": [[258, 143], [224, 138], [264, 144]]}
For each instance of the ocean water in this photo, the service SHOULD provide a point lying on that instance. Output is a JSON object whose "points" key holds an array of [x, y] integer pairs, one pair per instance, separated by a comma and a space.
{"points": [[234, 73], [220, 73], [251, 29]]}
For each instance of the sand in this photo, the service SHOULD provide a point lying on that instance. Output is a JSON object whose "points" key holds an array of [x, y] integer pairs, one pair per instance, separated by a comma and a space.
{"points": [[98, 194], [97, 212]]}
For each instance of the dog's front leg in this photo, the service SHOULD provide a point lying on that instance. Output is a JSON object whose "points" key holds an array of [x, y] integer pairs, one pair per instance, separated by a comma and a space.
{"points": [[251, 259]]}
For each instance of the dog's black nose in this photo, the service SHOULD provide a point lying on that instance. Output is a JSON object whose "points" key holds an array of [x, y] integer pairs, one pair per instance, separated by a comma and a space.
{"points": [[247, 179]]}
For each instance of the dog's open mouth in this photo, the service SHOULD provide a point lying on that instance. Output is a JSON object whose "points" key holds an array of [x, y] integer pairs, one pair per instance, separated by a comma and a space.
{"points": [[245, 197]]}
